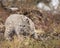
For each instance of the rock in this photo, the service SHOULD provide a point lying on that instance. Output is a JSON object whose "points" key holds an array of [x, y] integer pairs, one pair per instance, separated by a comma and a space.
{"points": [[54, 4], [13, 8], [51, 6], [43, 6], [21, 24]]}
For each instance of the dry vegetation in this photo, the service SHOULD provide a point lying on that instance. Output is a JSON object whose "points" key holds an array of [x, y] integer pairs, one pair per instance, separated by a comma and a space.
{"points": [[29, 43], [44, 22]]}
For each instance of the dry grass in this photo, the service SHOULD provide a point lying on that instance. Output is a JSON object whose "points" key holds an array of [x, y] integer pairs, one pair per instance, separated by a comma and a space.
{"points": [[30, 43], [44, 22]]}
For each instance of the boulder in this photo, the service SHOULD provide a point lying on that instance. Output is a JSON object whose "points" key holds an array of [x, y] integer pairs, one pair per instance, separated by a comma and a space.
{"points": [[19, 24]]}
